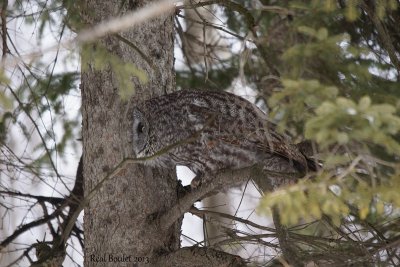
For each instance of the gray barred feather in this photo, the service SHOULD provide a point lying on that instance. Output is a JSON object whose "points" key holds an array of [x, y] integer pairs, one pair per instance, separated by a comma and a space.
{"points": [[210, 131]]}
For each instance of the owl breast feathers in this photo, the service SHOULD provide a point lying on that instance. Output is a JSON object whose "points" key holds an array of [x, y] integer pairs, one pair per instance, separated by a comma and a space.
{"points": [[209, 131]]}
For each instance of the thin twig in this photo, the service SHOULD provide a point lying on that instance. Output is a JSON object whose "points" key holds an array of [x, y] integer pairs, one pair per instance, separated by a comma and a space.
{"points": [[282, 233], [198, 212], [213, 25], [383, 35], [29, 115], [250, 23], [52, 200], [213, 185]]}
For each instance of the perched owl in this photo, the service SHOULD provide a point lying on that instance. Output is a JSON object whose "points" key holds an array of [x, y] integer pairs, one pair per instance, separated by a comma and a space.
{"points": [[209, 131]]}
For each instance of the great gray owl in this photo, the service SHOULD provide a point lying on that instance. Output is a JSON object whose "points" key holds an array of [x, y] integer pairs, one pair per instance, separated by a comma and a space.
{"points": [[209, 131]]}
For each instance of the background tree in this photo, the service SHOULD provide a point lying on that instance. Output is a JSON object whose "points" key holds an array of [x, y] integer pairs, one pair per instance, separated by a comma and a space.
{"points": [[326, 71]]}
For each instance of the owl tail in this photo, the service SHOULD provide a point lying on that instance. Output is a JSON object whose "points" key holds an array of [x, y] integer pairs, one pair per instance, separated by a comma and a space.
{"points": [[306, 148]]}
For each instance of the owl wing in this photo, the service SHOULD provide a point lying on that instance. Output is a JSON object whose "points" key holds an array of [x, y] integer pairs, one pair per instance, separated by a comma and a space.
{"points": [[287, 151], [225, 129]]}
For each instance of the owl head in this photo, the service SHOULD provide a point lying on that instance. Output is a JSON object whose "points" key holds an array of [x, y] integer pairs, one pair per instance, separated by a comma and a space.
{"points": [[140, 133]]}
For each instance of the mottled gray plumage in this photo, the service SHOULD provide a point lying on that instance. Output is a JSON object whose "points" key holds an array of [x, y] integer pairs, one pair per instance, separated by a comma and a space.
{"points": [[210, 131]]}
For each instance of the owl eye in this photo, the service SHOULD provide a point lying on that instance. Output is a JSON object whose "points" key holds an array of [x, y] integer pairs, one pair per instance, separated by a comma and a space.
{"points": [[140, 128]]}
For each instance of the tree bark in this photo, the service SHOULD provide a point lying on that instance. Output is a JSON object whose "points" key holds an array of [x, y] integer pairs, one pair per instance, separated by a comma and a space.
{"points": [[116, 219]]}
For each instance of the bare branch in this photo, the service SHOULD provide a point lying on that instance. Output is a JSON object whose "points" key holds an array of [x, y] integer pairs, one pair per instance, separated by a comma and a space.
{"points": [[250, 23], [286, 246], [29, 226], [382, 34], [214, 184], [196, 211], [3, 15], [52, 200]]}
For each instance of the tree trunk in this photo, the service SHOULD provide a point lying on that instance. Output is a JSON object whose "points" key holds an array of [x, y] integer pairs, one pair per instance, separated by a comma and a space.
{"points": [[116, 219]]}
